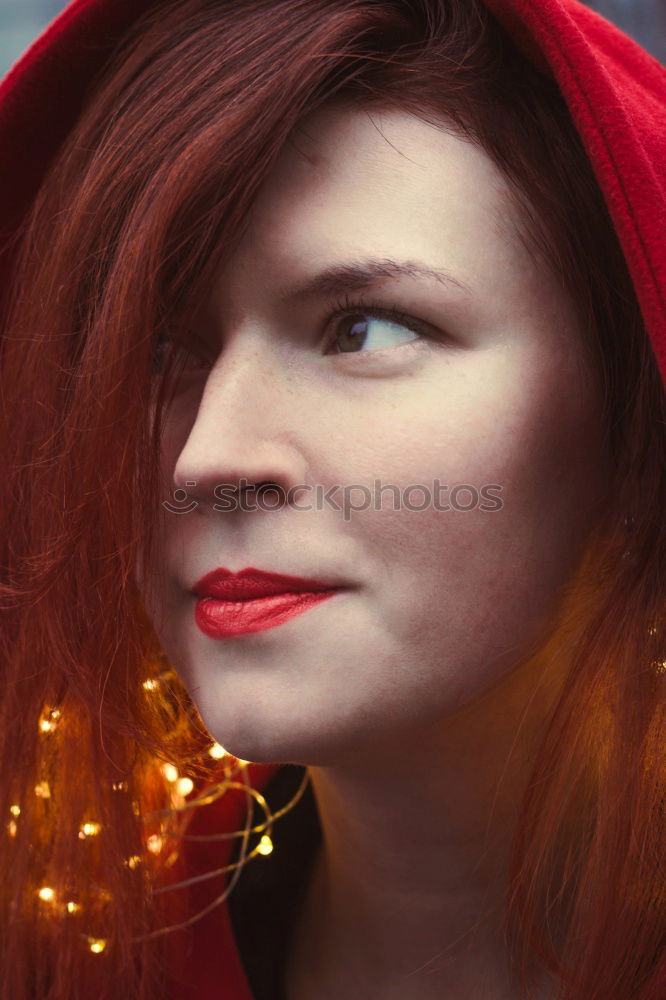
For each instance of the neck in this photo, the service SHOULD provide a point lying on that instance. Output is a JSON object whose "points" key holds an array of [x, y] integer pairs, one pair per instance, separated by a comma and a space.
{"points": [[407, 894]]}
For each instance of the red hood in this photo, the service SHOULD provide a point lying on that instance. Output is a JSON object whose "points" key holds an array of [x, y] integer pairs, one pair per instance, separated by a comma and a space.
{"points": [[617, 96], [204, 962], [616, 93]]}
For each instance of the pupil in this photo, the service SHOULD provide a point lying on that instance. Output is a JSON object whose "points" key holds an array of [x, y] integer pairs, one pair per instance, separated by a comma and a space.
{"points": [[355, 335]]}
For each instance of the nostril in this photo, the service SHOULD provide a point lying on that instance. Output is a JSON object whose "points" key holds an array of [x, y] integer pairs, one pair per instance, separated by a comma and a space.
{"points": [[265, 491], [264, 484]]}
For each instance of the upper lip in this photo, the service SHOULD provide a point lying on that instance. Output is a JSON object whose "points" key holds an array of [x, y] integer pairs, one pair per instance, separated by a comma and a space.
{"points": [[250, 583]]}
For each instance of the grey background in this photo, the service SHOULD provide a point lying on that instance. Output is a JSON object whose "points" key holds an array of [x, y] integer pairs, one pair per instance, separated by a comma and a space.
{"points": [[21, 21]]}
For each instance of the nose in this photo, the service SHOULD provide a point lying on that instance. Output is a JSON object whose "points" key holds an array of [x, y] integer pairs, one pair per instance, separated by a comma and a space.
{"points": [[248, 425]]}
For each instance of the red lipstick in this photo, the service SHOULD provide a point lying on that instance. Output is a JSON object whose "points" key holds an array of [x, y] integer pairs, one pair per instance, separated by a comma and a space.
{"points": [[233, 604]]}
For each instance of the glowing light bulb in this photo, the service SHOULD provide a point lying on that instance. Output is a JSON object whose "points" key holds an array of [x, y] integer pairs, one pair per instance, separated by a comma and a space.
{"points": [[265, 845], [217, 751], [15, 810], [97, 945], [185, 786], [150, 684], [46, 893], [133, 861], [49, 720], [73, 907], [43, 790], [90, 829], [154, 843], [119, 786], [170, 772], [11, 828]]}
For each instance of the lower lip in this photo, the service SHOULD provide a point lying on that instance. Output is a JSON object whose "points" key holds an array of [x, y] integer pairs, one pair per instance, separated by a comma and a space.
{"points": [[225, 619]]}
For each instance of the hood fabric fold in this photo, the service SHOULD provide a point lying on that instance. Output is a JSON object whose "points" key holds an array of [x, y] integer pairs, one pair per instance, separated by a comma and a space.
{"points": [[616, 93]]}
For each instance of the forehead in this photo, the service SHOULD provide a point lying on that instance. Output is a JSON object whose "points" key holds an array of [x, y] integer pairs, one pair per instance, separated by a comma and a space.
{"points": [[383, 167], [354, 183]]}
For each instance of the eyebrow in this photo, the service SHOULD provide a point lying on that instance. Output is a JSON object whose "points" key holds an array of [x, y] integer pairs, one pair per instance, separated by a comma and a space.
{"points": [[361, 274]]}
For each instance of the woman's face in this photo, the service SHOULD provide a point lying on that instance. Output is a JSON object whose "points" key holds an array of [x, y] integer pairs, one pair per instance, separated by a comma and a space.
{"points": [[480, 382]]}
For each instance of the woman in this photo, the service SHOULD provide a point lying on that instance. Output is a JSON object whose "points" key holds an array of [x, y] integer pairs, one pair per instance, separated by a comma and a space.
{"points": [[340, 325]]}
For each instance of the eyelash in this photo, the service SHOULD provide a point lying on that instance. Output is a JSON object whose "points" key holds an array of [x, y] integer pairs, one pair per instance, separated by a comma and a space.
{"points": [[343, 307], [346, 306]]}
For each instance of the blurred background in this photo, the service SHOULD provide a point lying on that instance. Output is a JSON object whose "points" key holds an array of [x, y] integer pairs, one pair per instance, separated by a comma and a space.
{"points": [[22, 20]]}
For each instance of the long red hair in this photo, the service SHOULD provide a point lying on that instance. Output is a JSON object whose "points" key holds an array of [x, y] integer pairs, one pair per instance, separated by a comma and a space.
{"points": [[141, 208]]}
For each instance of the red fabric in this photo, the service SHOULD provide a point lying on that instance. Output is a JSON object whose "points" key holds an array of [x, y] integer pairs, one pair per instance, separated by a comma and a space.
{"points": [[616, 93], [203, 961], [617, 96]]}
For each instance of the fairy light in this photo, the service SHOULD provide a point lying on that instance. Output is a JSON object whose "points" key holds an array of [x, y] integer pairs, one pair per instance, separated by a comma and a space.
{"points": [[154, 843], [49, 720], [184, 786], [265, 845], [170, 772], [89, 829], [12, 828]]}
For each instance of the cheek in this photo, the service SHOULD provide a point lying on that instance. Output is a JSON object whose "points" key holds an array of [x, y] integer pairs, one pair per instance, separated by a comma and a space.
{"points": [[469, 590]]}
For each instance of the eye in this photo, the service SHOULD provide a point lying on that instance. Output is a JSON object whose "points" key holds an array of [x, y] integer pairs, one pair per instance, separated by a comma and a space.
{"points": [[361, 327]]}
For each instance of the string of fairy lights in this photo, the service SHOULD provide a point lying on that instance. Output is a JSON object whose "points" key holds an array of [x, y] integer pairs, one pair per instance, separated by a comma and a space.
{"points": [[180, 787]]}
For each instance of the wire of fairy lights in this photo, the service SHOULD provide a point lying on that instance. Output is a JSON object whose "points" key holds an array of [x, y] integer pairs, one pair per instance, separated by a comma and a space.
{"points": [[180, 787]]}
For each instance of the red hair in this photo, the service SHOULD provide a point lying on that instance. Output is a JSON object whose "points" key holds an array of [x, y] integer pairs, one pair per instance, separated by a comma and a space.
{"points": [[141, 208]]}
